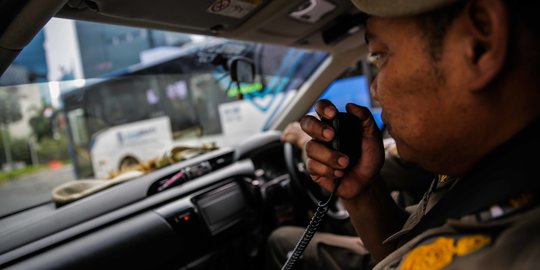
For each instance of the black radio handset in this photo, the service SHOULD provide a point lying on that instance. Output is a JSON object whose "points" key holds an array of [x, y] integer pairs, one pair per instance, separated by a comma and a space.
{"points": [[348, 135], [347, 140]]}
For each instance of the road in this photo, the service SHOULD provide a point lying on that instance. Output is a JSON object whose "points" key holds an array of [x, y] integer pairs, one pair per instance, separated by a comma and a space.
{"points": [[32, 189]]}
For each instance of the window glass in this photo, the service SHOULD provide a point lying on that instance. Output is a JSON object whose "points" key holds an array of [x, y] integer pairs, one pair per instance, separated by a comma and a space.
{"points": [[353, 87], [83, 97]]}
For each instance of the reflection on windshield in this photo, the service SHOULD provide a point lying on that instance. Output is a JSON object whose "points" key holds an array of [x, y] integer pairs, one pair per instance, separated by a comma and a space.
{"points": [[85, 99]]}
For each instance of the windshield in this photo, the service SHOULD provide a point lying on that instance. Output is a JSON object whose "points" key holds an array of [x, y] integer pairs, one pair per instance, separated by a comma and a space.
{"points": [[84, 100]]}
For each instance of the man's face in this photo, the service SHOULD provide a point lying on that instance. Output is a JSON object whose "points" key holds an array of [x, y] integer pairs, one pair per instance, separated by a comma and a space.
{"points": [[422, 103]]}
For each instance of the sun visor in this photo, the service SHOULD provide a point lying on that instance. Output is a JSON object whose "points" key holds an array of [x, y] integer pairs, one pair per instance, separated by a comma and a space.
{"points": [[201, 16]]}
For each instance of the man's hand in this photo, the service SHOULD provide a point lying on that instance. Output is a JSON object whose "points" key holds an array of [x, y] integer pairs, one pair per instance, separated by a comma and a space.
{"points": [[324, 164]]}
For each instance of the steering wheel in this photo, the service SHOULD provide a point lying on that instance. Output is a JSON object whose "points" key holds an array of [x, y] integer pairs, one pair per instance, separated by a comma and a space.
{"points": [[304, 187]]}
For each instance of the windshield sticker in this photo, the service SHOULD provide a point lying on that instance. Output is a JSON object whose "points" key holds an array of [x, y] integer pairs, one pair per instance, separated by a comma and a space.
{"points": [[233, 8]]}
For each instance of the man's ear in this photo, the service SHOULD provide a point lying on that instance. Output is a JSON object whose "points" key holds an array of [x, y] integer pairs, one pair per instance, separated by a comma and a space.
{"points": [[487, 24]]}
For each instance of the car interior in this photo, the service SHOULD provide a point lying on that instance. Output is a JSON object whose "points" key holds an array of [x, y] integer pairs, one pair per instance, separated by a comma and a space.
{"points": [[232, 198]]}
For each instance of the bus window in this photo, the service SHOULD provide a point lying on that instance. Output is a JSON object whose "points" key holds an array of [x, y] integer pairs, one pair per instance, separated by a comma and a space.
{"points": [[80, 141], [125, 101], [78, 128]]}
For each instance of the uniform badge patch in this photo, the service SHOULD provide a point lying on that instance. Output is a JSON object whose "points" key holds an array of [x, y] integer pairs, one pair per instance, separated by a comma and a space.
{"points": [[471, 243], [441, 252], [434, 256]]}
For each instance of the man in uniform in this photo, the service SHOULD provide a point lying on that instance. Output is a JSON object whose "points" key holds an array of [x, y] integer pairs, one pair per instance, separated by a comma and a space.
{"points": [[460, 94]]}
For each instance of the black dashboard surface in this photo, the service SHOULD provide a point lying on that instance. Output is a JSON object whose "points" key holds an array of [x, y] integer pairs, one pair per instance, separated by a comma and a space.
{"points": [[39, 229]]}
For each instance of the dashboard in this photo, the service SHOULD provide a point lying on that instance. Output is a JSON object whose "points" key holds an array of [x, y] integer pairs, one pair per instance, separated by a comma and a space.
{"points": [[192, 214]]}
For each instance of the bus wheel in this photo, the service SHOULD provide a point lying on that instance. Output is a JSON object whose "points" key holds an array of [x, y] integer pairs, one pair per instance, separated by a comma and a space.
{"points": [[128, 162]]}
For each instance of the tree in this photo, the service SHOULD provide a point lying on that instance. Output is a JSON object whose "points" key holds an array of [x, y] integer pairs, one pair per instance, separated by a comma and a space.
{"points": [[10, 112], [41, 125]]}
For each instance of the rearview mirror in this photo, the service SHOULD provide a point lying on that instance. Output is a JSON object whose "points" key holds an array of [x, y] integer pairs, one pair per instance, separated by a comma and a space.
{"points": [[242, 70]]}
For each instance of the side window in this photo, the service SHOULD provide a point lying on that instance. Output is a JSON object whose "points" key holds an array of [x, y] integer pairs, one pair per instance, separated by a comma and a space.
{"points": [[353, 87]]}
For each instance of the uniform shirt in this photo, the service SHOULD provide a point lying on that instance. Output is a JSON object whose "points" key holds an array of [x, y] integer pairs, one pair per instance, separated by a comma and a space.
{"points": [[440, 186], [507, 243], [488, 218]]}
